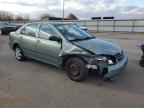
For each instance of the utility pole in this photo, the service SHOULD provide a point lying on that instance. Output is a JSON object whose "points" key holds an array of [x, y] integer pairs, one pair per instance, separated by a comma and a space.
{"points": [[63, 9]]}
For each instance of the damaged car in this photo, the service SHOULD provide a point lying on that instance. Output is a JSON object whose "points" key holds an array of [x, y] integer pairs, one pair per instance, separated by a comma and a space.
{"points": [[69, 47]]}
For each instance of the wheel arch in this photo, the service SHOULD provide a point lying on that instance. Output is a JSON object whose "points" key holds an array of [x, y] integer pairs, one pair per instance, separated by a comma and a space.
{"points": [[65, 58], [14, 45]]}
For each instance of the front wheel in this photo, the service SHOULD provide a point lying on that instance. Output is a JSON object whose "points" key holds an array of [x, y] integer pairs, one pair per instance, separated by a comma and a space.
{"points": [[142, 63], [19, 53], [76, 69]]}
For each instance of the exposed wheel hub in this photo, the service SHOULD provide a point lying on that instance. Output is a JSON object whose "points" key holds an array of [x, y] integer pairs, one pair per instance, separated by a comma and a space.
{"points": [[74, 70], [18, 53]]}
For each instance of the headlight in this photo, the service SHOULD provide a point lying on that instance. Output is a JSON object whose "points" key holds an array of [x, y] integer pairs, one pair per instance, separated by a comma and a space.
{"points": [[105, 59], [101, 58], [110, 62]]}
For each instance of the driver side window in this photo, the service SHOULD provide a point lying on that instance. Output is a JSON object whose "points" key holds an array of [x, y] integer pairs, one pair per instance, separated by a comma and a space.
{"points": [[46, 31]]}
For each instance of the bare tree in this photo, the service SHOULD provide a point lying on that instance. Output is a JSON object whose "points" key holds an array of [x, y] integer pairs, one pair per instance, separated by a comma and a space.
{"points": [[26, 17], [18, 18], [6, 16]]}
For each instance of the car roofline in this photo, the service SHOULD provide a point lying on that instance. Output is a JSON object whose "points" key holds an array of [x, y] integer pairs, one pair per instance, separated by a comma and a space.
{"points": [[52, 23]]}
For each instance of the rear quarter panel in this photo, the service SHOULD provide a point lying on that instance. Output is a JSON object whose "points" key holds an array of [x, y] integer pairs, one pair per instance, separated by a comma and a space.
{"points": [[13, 39]]}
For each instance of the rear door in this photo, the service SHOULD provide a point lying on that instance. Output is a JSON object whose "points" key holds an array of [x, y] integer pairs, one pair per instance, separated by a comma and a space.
{"points": [[28, 39], [47, 50]]}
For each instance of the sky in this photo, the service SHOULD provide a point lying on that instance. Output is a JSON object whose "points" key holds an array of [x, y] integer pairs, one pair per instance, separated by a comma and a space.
{"points": [[83, 9]]}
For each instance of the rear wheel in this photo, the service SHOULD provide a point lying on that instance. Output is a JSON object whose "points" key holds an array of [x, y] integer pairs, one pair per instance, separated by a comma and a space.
{"points": [[19, 53], [76, 69]]}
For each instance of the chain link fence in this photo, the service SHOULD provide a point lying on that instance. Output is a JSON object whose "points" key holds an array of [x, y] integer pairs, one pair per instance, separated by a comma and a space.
{"points": [[130, 26], [113, 25]]}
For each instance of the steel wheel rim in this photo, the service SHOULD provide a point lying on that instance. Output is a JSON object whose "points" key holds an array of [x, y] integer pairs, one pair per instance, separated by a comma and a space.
{"points": [[18, 53], [74, 70]]}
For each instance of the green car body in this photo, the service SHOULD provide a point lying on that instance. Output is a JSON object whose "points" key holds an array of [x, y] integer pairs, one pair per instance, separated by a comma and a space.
{"points": [[60, 43]]}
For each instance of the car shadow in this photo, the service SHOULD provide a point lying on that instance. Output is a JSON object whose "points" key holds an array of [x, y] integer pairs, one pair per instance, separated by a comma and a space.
{"points": [[45, 66], [92, 76], [92, 79], [123, 83]]}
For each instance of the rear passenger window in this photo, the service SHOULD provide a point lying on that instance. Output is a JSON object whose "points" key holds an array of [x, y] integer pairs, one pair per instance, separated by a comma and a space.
{"points": [[46, 31], [30, 30]]}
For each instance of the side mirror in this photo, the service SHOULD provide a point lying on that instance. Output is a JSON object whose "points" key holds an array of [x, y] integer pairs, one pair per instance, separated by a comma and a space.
{"points": [[55, 38]]}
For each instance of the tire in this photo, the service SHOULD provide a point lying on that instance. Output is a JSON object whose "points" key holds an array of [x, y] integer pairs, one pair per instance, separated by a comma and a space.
{"points": [[19, 54], [142, 63], [76, 69], [1, 32]]}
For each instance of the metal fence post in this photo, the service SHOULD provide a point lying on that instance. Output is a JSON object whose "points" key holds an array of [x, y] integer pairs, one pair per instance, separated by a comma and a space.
{"points": [[84, 23], [133, 26], [114, 26], [97, 25]]}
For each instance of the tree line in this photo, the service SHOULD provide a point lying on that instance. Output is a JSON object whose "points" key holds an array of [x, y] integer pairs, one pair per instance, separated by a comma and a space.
{"points": [[8, 16]]}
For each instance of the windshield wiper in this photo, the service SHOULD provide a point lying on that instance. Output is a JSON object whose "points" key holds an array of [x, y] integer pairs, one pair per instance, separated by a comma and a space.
{"points": [[87, 38], [81, 39]]}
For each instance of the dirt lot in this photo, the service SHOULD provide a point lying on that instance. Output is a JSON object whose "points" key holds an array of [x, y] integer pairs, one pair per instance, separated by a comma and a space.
{"points": [[32, 84]]}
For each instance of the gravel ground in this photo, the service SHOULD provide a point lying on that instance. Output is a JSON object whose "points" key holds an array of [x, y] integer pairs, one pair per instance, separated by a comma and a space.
{"points": [[32, 84]]}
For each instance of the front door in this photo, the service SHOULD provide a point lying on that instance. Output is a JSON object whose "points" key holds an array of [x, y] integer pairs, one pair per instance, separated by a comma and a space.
{"points": [[47, 50], [28, 39]]}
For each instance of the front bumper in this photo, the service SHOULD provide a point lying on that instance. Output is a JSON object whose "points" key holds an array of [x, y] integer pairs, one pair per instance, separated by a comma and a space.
{"points": [[110, 71], [114, 70]]}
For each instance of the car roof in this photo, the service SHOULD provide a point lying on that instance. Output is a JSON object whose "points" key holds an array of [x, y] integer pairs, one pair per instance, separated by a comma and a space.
{"points": [[53, 23]]}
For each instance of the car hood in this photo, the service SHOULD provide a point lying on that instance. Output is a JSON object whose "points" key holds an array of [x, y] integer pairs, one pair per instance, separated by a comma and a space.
{"points": [[98, 46]]}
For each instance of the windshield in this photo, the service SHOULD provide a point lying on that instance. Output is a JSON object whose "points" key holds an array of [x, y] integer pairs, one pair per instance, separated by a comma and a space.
{"points": [[72, 33]]}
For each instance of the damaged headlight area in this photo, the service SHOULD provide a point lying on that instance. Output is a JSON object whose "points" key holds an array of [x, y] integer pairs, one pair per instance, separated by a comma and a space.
{"points": [[101, 58], [108, 59], [101, 63]]}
